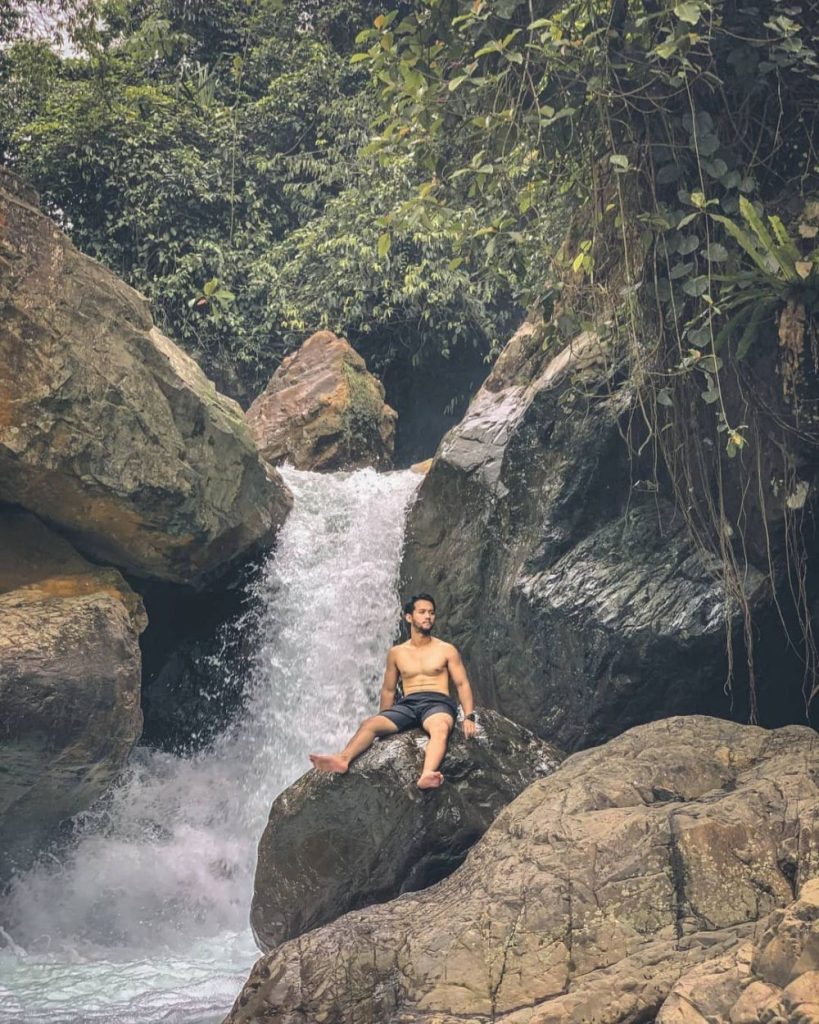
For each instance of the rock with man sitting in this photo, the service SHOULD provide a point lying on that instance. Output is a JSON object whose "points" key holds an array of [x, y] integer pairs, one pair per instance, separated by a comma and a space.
{"points": [[425, 666]]}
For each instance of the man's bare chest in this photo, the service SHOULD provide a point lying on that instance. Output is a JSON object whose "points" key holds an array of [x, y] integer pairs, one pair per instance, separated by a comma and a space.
{"points": [[424, 663]]}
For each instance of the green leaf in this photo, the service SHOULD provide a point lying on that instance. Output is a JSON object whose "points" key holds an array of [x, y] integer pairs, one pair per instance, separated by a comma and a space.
{"points": [[716, 253], [696, 286], [681, 270], [664, 397], [668, 173], [688, 11], [687, 244], [211, 286], [749, 212], [744, 239], [785, 241], [455, 82], [716, 168], [667, 48], [619, 160], [707, 145], [759, 313], [700, 336], [384, 243]]}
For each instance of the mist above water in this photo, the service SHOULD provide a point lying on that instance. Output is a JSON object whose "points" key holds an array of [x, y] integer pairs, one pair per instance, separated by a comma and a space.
{"points": [[144, 917]]}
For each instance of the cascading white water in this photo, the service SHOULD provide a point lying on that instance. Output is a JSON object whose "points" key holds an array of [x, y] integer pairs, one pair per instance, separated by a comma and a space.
{"points": [[144, 920]]}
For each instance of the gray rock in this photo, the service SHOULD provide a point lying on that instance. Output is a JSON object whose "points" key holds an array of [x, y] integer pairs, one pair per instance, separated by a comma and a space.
{"points": [[587, 899], [578, 602], [336, 843], [107, 429]]}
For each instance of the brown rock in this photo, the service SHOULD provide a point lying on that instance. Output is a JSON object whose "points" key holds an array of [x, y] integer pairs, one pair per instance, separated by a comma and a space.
{"points": [[584, 901], [69, 681], [771, 980], [107, 429], [753, 1004], [322, 410]]}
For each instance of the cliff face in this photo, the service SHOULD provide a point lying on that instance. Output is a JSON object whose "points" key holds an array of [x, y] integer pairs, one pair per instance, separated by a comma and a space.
{"points": [[579, 605], [107, 429], [565, 572]]}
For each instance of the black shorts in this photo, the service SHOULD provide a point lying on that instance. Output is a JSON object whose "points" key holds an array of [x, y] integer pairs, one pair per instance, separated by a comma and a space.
{"points": [[412, 710]]}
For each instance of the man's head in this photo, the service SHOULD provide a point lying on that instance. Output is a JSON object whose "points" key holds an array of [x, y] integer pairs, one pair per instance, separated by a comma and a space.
{"points": [[419, 611]]}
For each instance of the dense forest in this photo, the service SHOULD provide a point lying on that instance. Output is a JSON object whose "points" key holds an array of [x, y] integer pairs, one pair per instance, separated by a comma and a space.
{"points": [[214, 156]]}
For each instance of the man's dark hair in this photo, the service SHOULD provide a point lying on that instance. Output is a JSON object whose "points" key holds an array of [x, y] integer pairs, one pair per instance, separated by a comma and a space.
{"points": [[409, 607]]}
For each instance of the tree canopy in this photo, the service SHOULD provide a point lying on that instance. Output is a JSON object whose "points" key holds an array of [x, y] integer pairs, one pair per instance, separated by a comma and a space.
{"points": [[211, 154]]}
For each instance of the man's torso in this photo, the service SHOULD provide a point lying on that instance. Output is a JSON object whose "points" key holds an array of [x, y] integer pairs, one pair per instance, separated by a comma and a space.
{"points": [[423, 668]]}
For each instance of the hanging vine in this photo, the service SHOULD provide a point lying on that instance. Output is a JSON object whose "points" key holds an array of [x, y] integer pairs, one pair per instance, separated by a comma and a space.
{"points": [[681, 138]]}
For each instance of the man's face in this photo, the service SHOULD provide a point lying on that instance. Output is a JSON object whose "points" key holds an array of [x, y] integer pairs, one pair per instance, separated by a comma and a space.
{"points": [[422, 617]]}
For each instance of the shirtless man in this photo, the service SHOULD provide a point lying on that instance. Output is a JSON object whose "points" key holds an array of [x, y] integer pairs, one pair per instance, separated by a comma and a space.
{"points": [[425, 665]]}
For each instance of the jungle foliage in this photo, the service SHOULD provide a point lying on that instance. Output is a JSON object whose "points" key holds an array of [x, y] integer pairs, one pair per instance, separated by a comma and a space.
{"points": [[210, 154]]}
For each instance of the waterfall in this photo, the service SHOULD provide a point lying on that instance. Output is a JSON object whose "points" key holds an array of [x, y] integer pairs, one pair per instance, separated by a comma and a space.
{"points": [[144, 918]]}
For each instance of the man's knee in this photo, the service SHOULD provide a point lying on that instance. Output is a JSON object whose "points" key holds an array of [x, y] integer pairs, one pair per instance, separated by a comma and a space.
{"points": [[438, 726]]}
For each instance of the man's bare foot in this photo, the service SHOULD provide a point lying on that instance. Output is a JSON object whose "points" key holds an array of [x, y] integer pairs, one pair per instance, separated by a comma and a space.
{"points": [[430, 780], [329, 763]]}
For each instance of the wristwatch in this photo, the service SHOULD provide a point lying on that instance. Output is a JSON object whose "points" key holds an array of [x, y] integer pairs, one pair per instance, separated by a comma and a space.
{"points": [[470, 717]]}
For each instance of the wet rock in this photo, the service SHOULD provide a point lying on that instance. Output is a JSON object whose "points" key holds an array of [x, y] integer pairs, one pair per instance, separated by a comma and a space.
{"points": [[69, 681], [107, 429], [578, 601], [196, 659], [322, 410], [587, 899], [335, 843]]}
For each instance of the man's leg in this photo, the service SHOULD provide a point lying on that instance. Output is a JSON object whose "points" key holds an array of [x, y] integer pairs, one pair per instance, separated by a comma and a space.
{"points": [[364, 737], [439, 726]]}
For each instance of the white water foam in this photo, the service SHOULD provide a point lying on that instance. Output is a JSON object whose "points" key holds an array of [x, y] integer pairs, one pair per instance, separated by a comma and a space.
{"points": [[144, 919]]}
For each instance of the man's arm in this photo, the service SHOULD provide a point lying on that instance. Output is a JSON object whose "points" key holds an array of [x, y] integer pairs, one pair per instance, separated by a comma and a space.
{"points": [[390, 682], [457, 673]]}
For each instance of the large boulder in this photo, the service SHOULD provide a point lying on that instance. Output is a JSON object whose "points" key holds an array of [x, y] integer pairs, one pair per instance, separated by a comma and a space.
{"points": [[322, 410], [587, 899], [773, 979], [578, 601], [107, 429], [335, 843], [69, 681]]}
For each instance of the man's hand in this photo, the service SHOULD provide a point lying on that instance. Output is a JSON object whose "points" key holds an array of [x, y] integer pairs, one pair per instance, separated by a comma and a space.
{"points": [[469, 728]]}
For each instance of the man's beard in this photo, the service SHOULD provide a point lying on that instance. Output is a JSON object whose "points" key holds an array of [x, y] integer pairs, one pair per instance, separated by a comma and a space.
{"points": [[425, 630]]}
